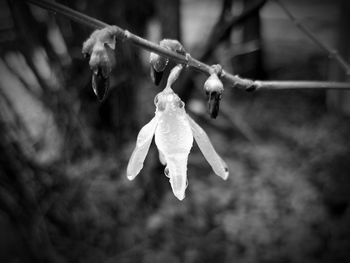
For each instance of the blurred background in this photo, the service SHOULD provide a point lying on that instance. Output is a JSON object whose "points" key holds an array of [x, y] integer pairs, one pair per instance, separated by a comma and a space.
{"points": [[64, 196]]}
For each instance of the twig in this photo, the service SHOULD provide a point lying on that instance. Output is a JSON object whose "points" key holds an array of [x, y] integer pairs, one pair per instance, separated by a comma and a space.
{"points": [[295, 84], [332, 53], [233, 80]]}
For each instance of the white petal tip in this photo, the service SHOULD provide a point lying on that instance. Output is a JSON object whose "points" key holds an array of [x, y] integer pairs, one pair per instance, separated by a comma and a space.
{"points": [[224, 173], [130, 177], [180, 195], [225, 177]]}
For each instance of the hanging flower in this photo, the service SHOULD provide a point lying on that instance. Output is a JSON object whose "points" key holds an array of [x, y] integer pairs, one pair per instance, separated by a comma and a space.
{"points": [[174, 131]]}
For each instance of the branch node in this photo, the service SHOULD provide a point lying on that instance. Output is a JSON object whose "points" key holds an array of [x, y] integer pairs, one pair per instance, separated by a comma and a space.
{"points": [[216, 69], [126, 35], [188, 58], [253, 86]]}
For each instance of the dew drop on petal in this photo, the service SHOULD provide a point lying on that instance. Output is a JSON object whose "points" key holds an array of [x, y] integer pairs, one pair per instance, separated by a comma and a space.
{"points": [[166, 172]]}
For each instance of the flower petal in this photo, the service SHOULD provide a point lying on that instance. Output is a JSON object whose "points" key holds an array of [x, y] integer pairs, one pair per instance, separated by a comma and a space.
{"points": [[204, 144], [162, 157], [177, 165], [143, 143]]}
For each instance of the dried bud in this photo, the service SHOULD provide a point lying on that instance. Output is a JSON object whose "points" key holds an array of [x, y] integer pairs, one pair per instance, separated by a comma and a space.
{"points": [[105, 36], [173, 45], [214, 89], [158, 65], [99, 49], [214, 104]]}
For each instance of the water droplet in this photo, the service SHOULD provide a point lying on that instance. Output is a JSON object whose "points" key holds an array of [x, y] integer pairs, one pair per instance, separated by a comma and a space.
{"points": [[166, 172], [180, 104], [156, 100]]}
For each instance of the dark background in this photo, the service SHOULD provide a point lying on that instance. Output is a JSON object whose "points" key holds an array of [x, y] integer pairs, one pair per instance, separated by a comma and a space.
{"points": [[64, 196]]}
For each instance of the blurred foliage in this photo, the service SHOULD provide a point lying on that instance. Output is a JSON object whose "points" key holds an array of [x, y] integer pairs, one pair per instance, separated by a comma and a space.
{"points": [[64, 196]]}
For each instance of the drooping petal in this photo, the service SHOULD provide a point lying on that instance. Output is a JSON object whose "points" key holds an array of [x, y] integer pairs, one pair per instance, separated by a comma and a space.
{"points": [[204, 144], [177, 166], [143, 143]]}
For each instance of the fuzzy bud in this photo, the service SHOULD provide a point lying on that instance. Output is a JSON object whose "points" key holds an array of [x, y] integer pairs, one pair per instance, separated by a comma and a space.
{"points": [[99, 49]]}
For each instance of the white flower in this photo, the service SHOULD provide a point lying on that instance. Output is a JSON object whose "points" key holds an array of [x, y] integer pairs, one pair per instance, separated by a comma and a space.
{"points": [[174, 131]]}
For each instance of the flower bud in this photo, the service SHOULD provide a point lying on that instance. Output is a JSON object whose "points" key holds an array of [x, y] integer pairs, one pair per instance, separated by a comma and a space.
{"points": [[214, 89], [99, 49], [100, 84], [158, 65], [213, 84], [173, 45]]}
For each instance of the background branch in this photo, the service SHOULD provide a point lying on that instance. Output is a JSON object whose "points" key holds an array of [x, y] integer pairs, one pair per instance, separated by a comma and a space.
{"points": [[220, 32], [332, 53]]}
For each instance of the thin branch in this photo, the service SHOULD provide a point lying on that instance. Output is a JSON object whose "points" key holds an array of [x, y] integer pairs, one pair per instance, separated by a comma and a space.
{"points": [[241, 49], [233, 80], [332, 53], [221, 21], [294, 84]]}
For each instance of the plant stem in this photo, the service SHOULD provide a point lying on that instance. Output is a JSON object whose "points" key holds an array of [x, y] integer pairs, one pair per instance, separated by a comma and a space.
{"points": [[233, 80]]}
